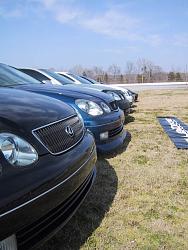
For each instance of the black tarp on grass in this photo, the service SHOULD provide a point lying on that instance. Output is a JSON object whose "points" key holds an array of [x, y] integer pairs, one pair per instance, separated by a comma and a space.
{"points": [[176, 130]]}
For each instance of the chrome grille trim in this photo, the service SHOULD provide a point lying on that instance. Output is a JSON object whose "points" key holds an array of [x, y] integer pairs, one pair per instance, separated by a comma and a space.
{"points": [[114, 106], [51, 138], [115, 131]]}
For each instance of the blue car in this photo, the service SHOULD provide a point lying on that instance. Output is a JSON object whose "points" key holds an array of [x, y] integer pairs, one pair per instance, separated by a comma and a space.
{"points": [[50, 77], [99, 111]]}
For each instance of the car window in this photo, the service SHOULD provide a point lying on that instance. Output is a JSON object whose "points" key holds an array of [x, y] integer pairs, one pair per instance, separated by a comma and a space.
{"points": [[10, 76], [37, 75], [91, 80], [73, 81], [58, 77], [80, 79]]}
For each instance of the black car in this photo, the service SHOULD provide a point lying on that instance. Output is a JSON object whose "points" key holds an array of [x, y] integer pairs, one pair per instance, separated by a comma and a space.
{"points": [[134, 94], [47, 166], [130, 92]]}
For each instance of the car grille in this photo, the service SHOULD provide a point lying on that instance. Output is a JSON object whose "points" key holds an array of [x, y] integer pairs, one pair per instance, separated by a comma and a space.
{"points": [[115, 131], [122, 96], [60, 136], [114, 106], [55, 219]]}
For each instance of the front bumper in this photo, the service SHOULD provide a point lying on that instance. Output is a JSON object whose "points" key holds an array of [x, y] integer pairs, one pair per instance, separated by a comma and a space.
{"points": [[112, 144], [127, 112], [124, 105], [114, 127], [56, 218], [47, 207]]}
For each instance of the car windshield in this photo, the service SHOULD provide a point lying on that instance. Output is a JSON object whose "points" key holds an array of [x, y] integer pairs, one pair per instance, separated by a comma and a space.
{"points": [[10, 76], [79, 78], [91, 80], [58, 77]]}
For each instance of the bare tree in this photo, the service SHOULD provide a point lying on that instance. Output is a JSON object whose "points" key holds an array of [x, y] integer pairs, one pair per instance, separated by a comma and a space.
{"points": [[77, 69], [143, 70], [115, 70], [88, 72], [158, 75], [147, 69], [99, 73], [130, 72], [130, 67], [97, 70]]}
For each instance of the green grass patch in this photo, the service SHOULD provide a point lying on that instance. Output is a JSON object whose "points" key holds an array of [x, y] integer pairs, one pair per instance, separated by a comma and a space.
{"points": [[140, 197]]}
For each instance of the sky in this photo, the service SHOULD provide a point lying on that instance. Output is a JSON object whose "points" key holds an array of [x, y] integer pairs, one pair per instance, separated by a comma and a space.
{"points": [[62, 33]]}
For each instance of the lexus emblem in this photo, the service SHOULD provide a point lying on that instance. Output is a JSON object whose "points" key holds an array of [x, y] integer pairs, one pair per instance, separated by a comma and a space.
{"points": [[69, 131]]}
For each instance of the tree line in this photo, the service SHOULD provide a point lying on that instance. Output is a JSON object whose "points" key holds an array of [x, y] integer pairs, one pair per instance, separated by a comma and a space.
{"points": [[141, 71]]}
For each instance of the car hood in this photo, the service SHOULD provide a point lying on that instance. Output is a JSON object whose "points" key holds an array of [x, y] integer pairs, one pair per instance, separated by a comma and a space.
{"points": [[121, 88], [99, 87], [22, 111], [72, 91], [105, 88]]}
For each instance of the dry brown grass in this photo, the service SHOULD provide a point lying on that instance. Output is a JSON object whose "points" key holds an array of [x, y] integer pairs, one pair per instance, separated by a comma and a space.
{"points": [[140, 197]]}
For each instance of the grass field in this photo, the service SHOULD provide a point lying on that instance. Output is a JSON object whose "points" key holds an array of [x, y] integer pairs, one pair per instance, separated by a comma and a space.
{"points": [[140, 197]]}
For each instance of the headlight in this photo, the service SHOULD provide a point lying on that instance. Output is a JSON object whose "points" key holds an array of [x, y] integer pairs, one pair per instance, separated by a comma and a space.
{"points": [[9, 243], [114, 95], [105, 107], [17, 151], [89, 107]]}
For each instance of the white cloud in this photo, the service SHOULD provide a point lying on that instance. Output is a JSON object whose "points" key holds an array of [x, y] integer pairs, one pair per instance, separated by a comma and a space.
{"points": [[65, 15], [116, 23], [49, 3], [63, 12], [113, 23]]}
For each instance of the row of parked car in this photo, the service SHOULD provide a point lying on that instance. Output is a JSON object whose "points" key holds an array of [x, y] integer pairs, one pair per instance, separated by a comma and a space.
{"points": [[52, 124]]}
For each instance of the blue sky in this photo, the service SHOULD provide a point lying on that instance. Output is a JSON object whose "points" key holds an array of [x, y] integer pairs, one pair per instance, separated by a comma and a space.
{"points": [[64, 33]]}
